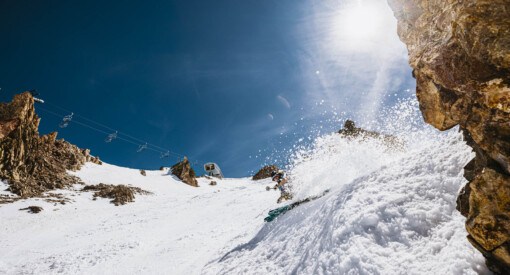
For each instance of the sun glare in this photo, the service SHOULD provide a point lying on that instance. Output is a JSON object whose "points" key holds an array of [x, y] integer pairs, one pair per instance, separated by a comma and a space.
{"points": [[359, 24]]}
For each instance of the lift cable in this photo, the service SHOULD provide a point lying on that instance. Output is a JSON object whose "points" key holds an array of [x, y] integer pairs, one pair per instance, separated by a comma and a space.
{"points": [[142, 145], [111, 129]]}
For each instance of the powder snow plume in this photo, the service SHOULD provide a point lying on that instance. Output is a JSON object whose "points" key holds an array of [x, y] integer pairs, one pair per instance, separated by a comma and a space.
{"points": [[390, 209]]}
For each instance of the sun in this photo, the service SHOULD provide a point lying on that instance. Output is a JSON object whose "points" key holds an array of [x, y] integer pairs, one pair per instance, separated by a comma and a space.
{"points": [[358, 24]]}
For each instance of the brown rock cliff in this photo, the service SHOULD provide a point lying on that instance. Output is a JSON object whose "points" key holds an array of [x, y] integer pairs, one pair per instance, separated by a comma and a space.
{"points": [[460, 55], [265, 172], [32, 164], [185, 172]]}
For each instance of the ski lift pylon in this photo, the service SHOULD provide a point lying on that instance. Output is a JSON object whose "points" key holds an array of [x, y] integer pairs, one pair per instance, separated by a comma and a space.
{"points": [[66, 120], [34, 93]]}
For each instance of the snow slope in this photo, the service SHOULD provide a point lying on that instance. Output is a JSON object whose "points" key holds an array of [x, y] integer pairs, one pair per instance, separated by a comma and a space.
{"points": [[389, 211], [174, 231], [399, 218]]}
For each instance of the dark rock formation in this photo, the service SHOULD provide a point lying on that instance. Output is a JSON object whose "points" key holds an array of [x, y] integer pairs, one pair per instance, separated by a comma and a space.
{"points": [[33, 209], [350, 130], [265, 172], [32, 164], [8, 198], [120, 194], [460, 53], [143, 173], [184, 172]]}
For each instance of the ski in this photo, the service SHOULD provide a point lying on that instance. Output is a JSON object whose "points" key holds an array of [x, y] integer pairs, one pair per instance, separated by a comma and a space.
{"points": [[274, 213]]}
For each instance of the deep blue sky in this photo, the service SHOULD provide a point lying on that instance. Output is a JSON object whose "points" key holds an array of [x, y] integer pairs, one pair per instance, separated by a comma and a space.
{"points": [[234, 82]]}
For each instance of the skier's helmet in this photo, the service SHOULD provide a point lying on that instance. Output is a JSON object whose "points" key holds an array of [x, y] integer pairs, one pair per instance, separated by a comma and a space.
{"points": [[274, 174]]}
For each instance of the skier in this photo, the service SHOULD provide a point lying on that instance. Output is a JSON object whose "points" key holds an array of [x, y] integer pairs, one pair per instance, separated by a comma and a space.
{"points": [[279, 177]]}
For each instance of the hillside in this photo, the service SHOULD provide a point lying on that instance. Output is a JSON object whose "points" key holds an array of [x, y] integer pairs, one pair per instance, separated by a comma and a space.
{"points": [[175, 230], [390, 210], [386, 213]]}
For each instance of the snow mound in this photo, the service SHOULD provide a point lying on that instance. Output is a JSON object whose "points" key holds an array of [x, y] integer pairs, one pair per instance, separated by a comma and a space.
{"points": [[388, 212]]}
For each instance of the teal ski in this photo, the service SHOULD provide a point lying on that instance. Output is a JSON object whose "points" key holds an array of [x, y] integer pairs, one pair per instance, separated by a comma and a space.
{"points": [[273, 214]]}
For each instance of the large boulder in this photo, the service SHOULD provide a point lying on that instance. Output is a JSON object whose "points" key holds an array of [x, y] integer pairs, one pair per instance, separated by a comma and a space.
{"points": [[460, 55], [265, 172], [185, 172], [32, 164], [351, 131]]}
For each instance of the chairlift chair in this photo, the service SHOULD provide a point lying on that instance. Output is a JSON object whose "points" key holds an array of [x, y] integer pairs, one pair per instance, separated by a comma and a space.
{"points": [[111, 137], [65, 120], [165, 155], [142, 147]]}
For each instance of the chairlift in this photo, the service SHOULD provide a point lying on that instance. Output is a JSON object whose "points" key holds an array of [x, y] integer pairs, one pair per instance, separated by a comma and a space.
{"points": [[165, 155], [111, 137], [142, 147], [66, 120]]}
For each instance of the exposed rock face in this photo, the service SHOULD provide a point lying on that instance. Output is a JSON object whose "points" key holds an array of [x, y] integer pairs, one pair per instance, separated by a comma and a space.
{"points": [[265, 172], [33, 209], [120, 194], [32, 164], [185, 173], [460, 53], [350, 130]]}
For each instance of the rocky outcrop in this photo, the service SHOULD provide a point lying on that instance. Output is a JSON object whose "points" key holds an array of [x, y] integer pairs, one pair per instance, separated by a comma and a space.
{"points": [[351, 131], [265, 172], [185, 172], [32, 209], [33, 164], [460, 55], [120, 194]]}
